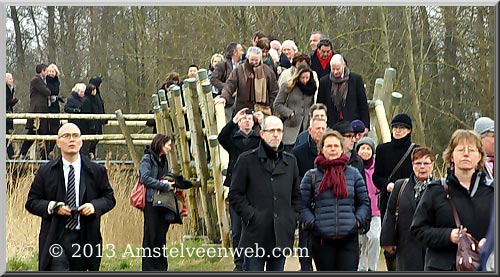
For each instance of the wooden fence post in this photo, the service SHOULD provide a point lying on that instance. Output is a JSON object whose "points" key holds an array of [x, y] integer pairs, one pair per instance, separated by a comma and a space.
{"points": [[199, 154], [208, 112], [157, 112], [167, 121], [389, 76], [374, 132], [128, 139]]}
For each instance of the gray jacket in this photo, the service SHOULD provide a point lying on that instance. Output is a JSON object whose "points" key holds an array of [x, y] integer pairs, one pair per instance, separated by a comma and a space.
{"points": [[150, 172]]}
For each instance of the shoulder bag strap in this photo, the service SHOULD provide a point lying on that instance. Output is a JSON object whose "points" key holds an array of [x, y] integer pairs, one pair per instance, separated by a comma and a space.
{"points": [[401, 161], [396, 214], [313, 185], [453, 209]]}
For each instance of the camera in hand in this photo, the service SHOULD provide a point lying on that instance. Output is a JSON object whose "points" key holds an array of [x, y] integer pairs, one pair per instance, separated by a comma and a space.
{"points": [[74, 211], [249, 111]]}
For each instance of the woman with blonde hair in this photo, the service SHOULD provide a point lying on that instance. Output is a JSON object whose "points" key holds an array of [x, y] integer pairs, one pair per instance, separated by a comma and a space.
{"points": [[465, 185], [293, 102], [54, 100], [216, 58]]}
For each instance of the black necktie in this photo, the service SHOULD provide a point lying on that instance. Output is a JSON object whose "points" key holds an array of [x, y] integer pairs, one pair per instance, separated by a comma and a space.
{"points": [[71, 198]]}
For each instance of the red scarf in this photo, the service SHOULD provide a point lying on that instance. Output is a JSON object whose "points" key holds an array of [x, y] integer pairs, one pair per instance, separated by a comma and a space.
{"points": [[333, 177], [324, 63]]}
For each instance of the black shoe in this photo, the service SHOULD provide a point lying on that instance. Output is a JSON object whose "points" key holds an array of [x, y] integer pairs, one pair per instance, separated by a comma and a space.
{"points": [[238, 268]]}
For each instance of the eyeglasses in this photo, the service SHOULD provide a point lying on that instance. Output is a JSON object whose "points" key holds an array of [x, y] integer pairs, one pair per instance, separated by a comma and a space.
{"points": [[422, 163], [273, 131], [400, 127], [469, 150], [348, 136], [70, 135]]}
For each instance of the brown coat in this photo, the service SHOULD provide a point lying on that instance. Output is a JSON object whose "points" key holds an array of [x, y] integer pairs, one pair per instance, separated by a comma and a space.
{"points": [[237, 82], [39, 93]]}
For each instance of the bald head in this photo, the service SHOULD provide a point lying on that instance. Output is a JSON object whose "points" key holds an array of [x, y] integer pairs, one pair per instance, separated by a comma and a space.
{"points": [[68, 128], [337, 65], [70, 142], [272, 131]]}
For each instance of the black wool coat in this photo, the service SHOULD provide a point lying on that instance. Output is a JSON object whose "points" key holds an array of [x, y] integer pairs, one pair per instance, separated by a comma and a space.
{"points": [[410, 252], [433, 220], [9, 108], [305, 154], [267, 198], [53, 84], [356, 106], [49, 185], [387, 156], [235, 143]]}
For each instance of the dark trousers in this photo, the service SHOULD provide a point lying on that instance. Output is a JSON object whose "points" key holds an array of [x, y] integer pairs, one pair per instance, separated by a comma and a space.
{"points": [[25, 147], [10, 148], [235, 236], [54, 125], [253, 263], [88, 147], [155, 239], [340, 254], [305, 238], [66, 261]]}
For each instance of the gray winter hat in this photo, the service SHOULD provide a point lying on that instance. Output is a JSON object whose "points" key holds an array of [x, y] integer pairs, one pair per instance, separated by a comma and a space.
{"points": [[366, 140], [483, 125]]}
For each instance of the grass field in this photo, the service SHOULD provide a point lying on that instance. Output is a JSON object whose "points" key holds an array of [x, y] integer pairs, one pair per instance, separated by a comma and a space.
{"points": [[121, 227]]}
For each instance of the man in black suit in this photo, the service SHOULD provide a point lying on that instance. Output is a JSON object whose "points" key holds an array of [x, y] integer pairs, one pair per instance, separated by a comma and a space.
{"points": [[70, 193]]}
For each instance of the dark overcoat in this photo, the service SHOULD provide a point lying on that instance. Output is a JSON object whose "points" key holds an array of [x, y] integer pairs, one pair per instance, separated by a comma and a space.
{"points": [[235, 143], [410, 253], [356, 106], [39, 102], [49, 185], [267, 198]]}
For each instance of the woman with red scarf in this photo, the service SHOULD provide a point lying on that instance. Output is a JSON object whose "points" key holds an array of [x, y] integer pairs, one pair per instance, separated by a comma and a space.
{"points": [[334, 207]]}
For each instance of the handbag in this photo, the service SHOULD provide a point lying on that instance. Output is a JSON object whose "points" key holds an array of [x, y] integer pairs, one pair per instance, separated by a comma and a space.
{"points": [[138, 195], [467, 257], [167, 201]]}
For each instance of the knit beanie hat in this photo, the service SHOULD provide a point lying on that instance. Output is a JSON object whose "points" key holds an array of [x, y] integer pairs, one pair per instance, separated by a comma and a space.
{"points": [[483, 125], [366, 140], [402, 119], [358, 126]]}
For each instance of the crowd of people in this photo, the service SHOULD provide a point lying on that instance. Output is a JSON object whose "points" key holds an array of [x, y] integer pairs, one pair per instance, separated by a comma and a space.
{"points": [[45, 97], [300, 161]]}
